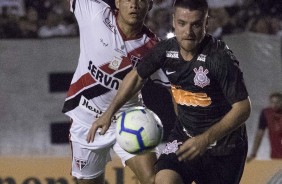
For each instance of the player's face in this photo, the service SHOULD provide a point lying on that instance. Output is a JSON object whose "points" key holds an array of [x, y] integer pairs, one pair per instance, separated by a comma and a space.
{"points": [[190, 28], [132, 12]]}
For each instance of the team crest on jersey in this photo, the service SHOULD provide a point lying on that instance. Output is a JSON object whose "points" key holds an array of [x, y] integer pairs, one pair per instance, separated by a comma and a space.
{"points": [[115, 63], [171, 147], [201, 79], [80, 163], [172, 54], [134, 60], [202, 57]]}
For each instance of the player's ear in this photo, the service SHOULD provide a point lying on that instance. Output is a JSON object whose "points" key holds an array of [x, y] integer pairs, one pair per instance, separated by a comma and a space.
{"points": [[117, 4], [207, 19]]}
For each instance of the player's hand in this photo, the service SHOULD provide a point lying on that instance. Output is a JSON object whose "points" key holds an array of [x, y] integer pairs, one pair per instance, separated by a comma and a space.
{"points": [[192, 148], [103, 122]]}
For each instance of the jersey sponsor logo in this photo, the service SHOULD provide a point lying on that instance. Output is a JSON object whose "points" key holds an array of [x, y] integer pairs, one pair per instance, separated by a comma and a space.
{"points": [[109, 24], [103, 43], [202, 57], [92, 108], [169, 72], [89, 106], [104, 78], [172, 54], [115, 63], [171, 147], [80, 163], [201, 79], [187, 98]]}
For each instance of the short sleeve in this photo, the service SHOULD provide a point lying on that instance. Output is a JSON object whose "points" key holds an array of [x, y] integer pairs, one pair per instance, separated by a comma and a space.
{"points": [[153, 60], [229, 76]]}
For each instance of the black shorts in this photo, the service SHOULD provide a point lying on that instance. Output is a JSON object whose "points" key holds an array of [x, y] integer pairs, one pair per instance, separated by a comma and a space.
{"points": [[210, 168]]}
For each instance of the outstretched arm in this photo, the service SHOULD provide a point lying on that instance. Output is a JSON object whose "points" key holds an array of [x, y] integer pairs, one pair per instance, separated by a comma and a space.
{"points": [[232, 120], [130, 85]]}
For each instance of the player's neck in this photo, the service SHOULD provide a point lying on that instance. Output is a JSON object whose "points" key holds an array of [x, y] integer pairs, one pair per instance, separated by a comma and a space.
{"points": [[130, 31], [187, 55]]}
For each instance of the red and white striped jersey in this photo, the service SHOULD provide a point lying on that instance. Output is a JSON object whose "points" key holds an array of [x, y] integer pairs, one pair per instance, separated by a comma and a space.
{"points": [[106, 56]]}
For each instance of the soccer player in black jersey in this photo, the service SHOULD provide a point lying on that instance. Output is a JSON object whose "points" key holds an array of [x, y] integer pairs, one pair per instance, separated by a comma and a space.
{"points": [[209, 143]]}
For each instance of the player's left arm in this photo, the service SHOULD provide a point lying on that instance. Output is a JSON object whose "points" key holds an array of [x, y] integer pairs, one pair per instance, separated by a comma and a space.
{"points": [[237, 116], [230, 79], [197, 145]]}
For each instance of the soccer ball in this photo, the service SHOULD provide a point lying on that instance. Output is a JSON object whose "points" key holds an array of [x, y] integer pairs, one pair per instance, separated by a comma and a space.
{"points": [[138, 130]]}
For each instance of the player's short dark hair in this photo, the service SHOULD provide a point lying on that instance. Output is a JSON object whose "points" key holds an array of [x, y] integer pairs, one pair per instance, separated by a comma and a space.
{"points": [[201, 5], [275, 95]]}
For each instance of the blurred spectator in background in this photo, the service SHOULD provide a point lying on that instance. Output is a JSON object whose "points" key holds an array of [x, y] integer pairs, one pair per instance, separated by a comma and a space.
{"points": [[226, 17], [224, 3], [271, 118], [55, 26], [268, 7], [160, 22], [159, 18], [161, 4], [261, 16], [219, 20], [12, 7], [9, 24], [29, 24], [10, 12], [261, 24], [43, 7], [266, 24]]}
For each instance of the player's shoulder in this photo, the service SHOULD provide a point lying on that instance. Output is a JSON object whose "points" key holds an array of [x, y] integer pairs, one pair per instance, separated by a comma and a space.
{"points": [[214, 45], [219, 52]]}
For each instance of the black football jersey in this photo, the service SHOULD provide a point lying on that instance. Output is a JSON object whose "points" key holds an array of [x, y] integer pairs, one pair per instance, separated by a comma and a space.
{"points": [[205, 87]]}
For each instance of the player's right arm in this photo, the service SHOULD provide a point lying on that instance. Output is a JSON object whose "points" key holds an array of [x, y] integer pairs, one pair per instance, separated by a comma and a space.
{"points": [[86, 10], [131, 84]]}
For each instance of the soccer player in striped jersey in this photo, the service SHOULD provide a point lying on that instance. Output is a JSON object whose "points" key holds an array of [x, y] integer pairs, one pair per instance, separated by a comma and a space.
{"points": [[112, 42]]}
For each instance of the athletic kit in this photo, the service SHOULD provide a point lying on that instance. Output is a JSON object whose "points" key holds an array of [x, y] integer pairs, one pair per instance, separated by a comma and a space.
{"points": [[204, 89], [106, 56], [273, 121]]}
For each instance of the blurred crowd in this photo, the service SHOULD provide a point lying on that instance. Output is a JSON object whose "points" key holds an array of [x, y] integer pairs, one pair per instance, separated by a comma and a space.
{"points": [[36, 19], [226, 17], [52, 18]]}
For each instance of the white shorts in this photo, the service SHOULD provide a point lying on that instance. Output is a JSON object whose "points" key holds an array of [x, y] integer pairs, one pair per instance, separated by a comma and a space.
{"points": [[89, 160]]}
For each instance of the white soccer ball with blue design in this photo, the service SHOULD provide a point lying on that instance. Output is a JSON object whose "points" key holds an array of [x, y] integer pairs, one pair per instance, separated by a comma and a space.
{"points": [[138, 130]]}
